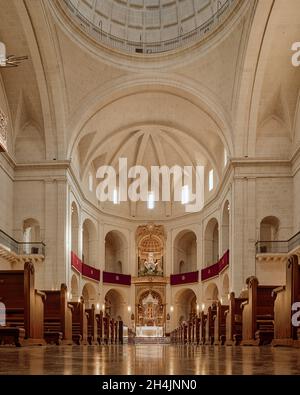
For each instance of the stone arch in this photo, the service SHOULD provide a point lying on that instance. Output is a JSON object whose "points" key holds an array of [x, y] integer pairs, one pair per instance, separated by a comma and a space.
{"points": [[225, 288], [74, 287], [269, 228], [225, 227], [74, 228], [31, 234], [211, 294], [89, 294], [211, 242], [116, 246], [185, 252], [114, 304], [185, 305], [89, 243]]}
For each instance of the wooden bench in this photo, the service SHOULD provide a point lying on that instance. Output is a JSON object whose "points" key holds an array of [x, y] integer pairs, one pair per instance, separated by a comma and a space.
{"points": [[220, 325], [24, 307], [79, 322], [209, 324], [233, 317], [91, 326], [203, 318], [120, 332], [58, 317], [258, 314], [99, 319], [284, 332], [106, 329]]}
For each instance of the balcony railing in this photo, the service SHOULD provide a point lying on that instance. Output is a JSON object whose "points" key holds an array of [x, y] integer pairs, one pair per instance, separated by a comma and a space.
{"points": [[84, 269], [148, 47], [278, 247], [21, 248], [116, 278], [184, 278], [216, 269]]}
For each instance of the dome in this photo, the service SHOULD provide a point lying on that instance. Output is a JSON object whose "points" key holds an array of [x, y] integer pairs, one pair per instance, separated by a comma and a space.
{"points": [[148, 26]]}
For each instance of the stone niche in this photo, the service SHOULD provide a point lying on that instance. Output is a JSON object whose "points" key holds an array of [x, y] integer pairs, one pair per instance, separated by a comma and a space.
{"points": [[150, 242]]}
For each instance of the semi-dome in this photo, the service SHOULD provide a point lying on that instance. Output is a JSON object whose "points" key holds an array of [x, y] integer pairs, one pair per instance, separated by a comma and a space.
{"points": [[148, 26]]}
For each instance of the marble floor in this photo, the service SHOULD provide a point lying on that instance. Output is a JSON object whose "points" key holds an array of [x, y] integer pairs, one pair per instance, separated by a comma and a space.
{"points": [[149, 359]]}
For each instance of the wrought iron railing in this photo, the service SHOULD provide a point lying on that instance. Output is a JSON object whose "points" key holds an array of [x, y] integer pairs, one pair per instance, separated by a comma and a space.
{"points": [[147, 47], [21, 248], [278, 247]]}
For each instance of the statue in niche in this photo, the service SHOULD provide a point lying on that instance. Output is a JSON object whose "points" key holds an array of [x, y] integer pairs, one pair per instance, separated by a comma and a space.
{"points": [[150, 263], [150, 241]]}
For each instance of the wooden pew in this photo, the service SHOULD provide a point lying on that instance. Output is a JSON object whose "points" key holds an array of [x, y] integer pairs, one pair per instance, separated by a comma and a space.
{"points": [[91, 325], [209, 324], [58, 317], [106, 329], [100, 336], [234, 320], [24, 307], [79, 322], [284, 332], [258, 314], [220, 325], [203, 318], [120, 332], [197, 330]]}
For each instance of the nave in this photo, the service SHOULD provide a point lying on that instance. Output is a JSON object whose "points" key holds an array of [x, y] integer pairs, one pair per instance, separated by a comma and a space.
{"points": [[154, 359]]}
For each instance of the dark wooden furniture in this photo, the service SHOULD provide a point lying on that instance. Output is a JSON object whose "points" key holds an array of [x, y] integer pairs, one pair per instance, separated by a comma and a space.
{"points": [[284, 332], [220, 324], [79, 322], [258, 314], [24, 307], [58, 317], [91, 326], [233, 317], [209, 324]]}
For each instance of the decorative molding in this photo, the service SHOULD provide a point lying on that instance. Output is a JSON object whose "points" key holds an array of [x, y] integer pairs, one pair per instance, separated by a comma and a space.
{"points": [[3, 131]]}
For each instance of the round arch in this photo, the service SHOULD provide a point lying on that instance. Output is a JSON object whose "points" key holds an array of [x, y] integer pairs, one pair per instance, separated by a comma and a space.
{"points": [[185, 305], [89, 242], [116, 247], [211, 242], [89, 294], [225, 226], [114, 304], [74, 228], [185, 252]]}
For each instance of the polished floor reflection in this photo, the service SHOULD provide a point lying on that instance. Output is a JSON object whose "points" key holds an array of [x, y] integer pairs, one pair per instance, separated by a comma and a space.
{"points": [[149, 359]]}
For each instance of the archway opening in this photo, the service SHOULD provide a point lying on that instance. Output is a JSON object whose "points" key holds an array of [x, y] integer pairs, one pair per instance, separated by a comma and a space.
{"points": [[269, 228], [115, 252], [225, 227], [186, 306], [89, 243], [74, 228], [211, 242], [89, 295], [114, 305], [185, 252]]}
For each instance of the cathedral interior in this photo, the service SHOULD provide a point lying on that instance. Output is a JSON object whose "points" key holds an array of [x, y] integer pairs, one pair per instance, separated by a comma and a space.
{"points": [[149, 187]]}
